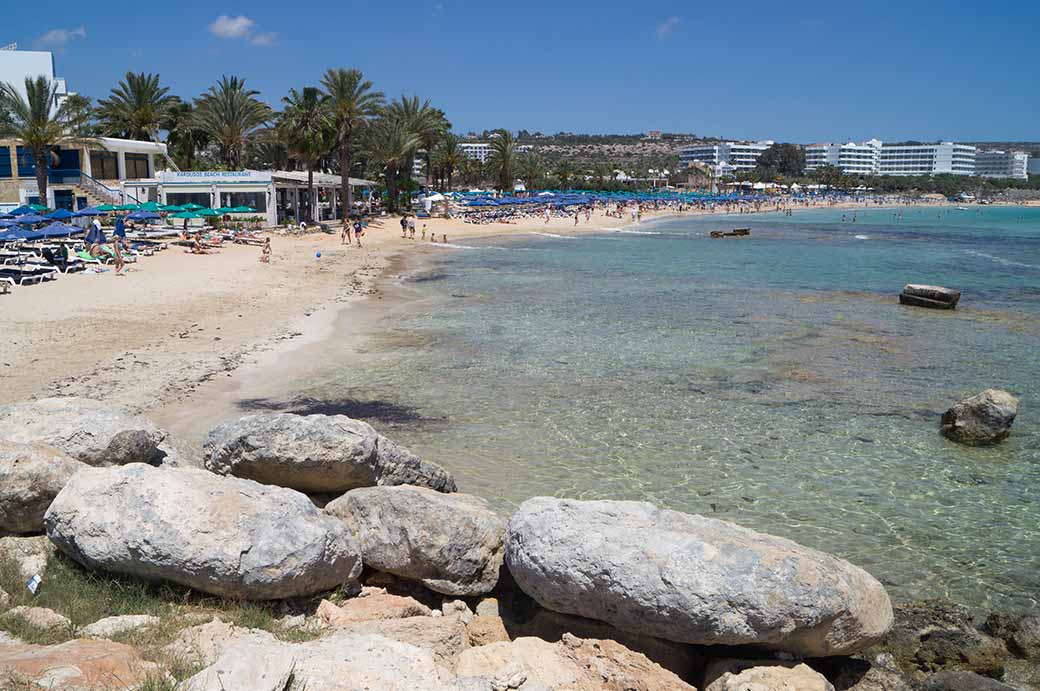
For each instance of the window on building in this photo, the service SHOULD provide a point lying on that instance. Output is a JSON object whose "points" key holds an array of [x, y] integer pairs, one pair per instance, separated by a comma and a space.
{"points": [[182, 198], [26, 163], [136, 166], [5, 162], [256, 200], [104, 165]]}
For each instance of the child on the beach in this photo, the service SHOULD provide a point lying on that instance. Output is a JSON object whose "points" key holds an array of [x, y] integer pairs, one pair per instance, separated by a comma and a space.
{"points": [[265, 252]]}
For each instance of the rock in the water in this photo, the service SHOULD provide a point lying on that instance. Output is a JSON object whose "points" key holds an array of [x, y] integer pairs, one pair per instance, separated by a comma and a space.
{"points": [[115, 626], [451, 543], [936, 635], [573, 664], [79, 665], [31, 475], [318, 454], [29, 554], [371, 604], [771, 678], [982, 419], [224, 536], [691, 579], [341, 660], [963, 681], [39, 617], [1020, 633], [89, 431]]}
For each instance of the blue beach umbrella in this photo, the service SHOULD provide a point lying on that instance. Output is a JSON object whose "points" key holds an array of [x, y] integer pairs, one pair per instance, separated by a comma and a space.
{"points": [[143, 216], [90, 211], [58, 230], [21, 210], [29, 219], [61, 214], [13, 235]]}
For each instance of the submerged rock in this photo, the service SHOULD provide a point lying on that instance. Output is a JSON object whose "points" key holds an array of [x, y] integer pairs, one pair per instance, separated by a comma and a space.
{"points": [[31, 475], [451, 543], [224, 536], [691, 579], [317, 454], [90, 431], [982, 419]]}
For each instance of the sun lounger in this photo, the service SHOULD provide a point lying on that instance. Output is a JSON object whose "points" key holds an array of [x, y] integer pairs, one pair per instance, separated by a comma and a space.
{"points": [[22, 276], [85, 256]]}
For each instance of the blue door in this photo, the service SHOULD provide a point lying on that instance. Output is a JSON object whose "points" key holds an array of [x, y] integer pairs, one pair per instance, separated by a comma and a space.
{"points": [[64, 199]]}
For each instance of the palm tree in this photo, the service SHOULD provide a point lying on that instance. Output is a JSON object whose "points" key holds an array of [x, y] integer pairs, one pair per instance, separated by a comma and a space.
{"points": [[36, 120], [135, 108], [530, 169], [427, 123], [183, 133], [306, 129], [564, 172], [502, 161], [392, 144], [231, 114], [449, 157], [351, 103], [79, 114]]}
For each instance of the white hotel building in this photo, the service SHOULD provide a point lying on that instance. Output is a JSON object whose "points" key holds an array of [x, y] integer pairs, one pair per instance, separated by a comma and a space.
{"points": [[927, 159], [1002, 164], [724, 157], [857, 158]]}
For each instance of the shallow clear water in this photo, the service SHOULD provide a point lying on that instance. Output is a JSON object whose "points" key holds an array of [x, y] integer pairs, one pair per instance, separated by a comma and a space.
{"points": [[773, 381]]}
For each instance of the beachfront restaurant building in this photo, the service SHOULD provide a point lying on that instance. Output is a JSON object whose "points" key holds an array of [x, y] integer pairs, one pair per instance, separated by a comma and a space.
{"points": [[78, 175], [279, 197]]}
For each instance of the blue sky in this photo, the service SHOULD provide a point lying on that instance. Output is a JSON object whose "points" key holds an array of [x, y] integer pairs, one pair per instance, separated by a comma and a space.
{"points": [[794, 72]]}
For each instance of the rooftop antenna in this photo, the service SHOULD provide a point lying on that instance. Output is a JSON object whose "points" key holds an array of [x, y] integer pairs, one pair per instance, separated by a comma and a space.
{"points": [[10, 46]]}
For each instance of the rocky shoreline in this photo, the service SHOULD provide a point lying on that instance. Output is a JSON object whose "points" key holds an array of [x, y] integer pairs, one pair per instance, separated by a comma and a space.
{"points": [[313, 552]]}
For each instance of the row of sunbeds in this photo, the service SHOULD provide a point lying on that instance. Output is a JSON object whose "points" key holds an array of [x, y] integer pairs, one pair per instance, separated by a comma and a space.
{"points": [[24, 263]]}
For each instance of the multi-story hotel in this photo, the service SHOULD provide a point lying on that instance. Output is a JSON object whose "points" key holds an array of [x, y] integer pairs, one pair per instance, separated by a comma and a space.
{"points": [[927, 159], [862, 158], [725, 156], [1002, 164]]}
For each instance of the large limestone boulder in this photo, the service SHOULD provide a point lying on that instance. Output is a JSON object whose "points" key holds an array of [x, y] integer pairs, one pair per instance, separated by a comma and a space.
{"points": [[341, 660], [371, 605], [31, 475], [78, 665], [317, 454], [224, 536], [90, 431], [691, 579], [771, 678], [39, 618], [982, 419], [572, 664], [451, 543], [445, 637]]}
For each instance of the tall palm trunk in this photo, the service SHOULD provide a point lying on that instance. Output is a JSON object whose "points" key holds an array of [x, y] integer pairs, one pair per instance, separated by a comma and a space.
{"points": [[313, 206], [345, 196], [40, 161]]}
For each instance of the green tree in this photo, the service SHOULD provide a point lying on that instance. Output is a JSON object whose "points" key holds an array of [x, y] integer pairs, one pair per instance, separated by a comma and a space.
{"points": [[36, 121], [135, 108], [530, 170], [352, 103], [79, 114], [781, 159], [449, 157], [502, 163], [184, 136], [307, 132], [391, 145], [231, 115]]}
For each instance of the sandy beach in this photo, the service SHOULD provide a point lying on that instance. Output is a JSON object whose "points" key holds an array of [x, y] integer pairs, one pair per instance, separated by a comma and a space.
{"points": [[180, 335]]}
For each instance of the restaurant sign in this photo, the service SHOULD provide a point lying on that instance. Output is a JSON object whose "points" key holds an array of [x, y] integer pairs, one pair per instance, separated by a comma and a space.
{"points": [[207, 177]]}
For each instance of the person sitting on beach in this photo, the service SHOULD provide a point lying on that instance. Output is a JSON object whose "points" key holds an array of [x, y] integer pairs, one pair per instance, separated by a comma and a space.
{"points": [[265, 251], [196, 244]]}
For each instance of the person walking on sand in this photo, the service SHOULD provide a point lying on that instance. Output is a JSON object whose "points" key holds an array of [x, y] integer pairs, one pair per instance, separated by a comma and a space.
{"points": [[423, 231], [265, 251], [344, 235], [411, 227], [117, 250], [576, 214], [404, 227], [547, 215], [359, 233]]}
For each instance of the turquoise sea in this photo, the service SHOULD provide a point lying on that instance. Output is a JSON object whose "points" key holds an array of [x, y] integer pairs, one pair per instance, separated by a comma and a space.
{"points": [[773, 381]]}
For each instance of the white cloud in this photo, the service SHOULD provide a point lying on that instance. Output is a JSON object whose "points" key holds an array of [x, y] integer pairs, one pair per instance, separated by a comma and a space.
{"points": [[665, 28], [264, 38], [232, 27], [57, 39]]}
